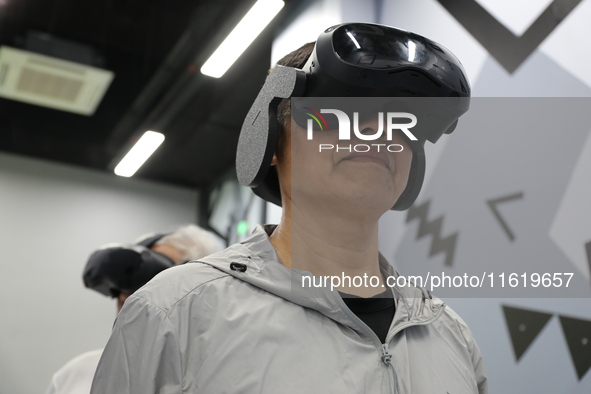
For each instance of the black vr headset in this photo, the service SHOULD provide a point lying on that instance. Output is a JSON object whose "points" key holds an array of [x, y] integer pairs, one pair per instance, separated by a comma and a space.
{"points": [[357, 60], [117, 268]]}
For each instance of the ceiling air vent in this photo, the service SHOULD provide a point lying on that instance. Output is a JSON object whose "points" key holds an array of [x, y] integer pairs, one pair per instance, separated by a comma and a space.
{"points": [[50, 82]]}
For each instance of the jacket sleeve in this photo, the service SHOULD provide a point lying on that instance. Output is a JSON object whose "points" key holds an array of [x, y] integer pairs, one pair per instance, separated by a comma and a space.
{"points": [[479, 370], [51, 388], [477, 362], [142, 355], [474, 352]]}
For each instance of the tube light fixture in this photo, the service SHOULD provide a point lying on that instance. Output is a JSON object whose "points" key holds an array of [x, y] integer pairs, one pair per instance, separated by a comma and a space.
{"points": [[259, 16], [139, 153]]}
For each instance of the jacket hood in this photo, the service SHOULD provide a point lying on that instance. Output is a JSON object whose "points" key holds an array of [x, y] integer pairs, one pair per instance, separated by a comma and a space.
{"points": [[256, 262]]}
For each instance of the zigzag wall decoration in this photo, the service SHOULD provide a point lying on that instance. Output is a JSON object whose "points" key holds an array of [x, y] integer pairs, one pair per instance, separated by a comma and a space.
{"points": [[445, 245]]}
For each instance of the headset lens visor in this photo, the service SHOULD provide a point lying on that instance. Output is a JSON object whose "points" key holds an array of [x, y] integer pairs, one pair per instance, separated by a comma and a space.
{"points": [[385, 48]]}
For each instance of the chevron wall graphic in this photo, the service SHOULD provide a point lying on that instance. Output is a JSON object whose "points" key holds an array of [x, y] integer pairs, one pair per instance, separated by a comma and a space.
{"points": [[508, 49]]}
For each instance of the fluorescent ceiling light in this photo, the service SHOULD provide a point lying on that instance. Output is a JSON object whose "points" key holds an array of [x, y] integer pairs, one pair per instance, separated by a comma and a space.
{"points": [[259, 16], [140, 152]]}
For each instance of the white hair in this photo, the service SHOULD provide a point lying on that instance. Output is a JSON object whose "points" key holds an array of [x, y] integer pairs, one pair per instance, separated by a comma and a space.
{"points": [[192, 242]]}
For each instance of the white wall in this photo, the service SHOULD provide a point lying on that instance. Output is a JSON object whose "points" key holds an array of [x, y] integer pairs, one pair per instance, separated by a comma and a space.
{"points": [[52, 217], [306, 27]]}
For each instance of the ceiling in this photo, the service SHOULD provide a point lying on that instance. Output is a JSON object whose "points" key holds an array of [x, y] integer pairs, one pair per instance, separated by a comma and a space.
{"points": [[155, 49]]}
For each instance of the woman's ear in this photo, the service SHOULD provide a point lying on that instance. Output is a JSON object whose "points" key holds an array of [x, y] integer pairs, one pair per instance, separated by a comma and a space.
{"points": [[274, 160]]}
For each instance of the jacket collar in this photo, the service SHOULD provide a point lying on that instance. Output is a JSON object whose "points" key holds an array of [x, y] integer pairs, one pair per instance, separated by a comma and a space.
{"points": [[264, 270]]}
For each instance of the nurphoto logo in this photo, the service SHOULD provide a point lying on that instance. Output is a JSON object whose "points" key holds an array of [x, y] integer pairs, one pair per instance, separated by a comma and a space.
{"points": [[391, 119]]}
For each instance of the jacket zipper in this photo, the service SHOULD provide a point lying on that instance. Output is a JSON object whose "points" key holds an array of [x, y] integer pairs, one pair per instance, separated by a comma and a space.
{"points": [[385, 354], [387, 360]]}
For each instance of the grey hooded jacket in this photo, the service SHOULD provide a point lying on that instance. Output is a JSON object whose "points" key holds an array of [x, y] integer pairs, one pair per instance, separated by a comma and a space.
{"points": [[213, 327]]}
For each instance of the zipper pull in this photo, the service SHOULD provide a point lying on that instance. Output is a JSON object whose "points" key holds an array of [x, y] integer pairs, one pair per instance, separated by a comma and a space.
{"points": [[386, 357]]}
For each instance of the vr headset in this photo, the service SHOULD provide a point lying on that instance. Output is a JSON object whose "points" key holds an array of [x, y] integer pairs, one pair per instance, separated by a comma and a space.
{"points": [[363, 61], [124, 268]]}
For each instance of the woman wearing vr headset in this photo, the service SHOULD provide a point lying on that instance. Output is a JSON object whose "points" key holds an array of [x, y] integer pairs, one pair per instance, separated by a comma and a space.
{"points": [[266, 316]]}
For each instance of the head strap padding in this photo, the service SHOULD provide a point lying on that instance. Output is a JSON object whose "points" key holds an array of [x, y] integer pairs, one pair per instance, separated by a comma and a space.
{"points": [[258, 137]]}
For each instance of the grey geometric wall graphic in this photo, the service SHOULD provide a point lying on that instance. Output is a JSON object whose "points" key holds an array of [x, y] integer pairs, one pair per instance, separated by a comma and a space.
{"points": [[578, 337], [509, 50], [446, 245], [524, 326], [492, 203], [588, 251], [503, 144]]}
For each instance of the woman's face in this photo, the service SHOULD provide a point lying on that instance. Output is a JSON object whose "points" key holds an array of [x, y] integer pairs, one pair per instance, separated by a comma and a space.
{"points": [[358, 176]]}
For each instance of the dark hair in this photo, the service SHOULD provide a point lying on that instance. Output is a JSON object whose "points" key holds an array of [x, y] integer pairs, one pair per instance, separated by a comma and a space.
{"points": [[295, 59]]}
